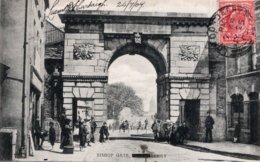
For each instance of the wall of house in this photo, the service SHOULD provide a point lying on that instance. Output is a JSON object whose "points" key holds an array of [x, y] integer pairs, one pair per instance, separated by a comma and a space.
{"points": [[12, 37]]}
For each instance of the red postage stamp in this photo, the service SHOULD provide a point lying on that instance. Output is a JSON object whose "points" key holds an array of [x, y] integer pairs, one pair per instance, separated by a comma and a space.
{"points": [[236, 22]]}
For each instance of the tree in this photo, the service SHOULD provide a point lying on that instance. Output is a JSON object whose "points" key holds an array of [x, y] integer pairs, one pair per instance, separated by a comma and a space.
{"points": [[120, 96]]}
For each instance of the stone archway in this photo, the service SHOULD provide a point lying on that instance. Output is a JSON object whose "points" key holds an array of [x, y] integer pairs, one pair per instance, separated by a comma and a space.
{"points": [[176, 45], [145, 50], [159, 63]]}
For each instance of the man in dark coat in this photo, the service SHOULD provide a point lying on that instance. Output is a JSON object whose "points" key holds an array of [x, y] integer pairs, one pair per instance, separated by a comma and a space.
{"points": [[183, 130], [67, 139], [103, 133], [52, 134], [237, 132], [209, 122], [174, 135], [62, 125], [93, 129], [156, 129], [82, 137]]}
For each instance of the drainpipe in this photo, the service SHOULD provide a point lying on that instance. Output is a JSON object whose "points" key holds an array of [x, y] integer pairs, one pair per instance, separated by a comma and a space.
{"points": [[24, 82], [227, 96]]}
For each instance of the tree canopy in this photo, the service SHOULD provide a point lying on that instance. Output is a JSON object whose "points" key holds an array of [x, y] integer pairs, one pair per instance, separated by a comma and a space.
{"points": [[121, 96]]}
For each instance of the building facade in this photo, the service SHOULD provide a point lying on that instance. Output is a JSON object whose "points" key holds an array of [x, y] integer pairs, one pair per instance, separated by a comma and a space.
{"points": [[243, 91], [191, 76], [53, 65], [22, 51]]}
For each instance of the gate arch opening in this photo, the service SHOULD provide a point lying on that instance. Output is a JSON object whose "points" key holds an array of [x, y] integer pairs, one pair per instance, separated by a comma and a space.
{"points": [[145, 50], [158, 62], [137, 73]]}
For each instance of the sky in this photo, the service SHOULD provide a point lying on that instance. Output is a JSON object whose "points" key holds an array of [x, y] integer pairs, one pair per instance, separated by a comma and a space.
{"points": [[184, 6], [137, 71]]}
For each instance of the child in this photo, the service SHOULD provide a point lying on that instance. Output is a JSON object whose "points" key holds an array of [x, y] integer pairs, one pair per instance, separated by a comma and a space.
{"points": [[52, 134], [82, 135]]}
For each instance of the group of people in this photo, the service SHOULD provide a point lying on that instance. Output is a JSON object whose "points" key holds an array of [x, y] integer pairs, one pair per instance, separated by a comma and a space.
{"points": [[87, 128], [124, 126], [177, 133], [41, 134], [139, 126], [172, 133]]}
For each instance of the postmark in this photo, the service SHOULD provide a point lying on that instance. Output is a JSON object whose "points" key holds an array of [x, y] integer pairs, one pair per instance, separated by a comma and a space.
{"points": [[231, 29]]}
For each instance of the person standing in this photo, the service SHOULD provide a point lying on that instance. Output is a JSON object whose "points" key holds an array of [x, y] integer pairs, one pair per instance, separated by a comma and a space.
{"points": [[93, 129], [37, 134], [67, 139], [145, 124], [183, 132], [139, 127], [127, 125], [88, 127], [237, 132], [103, 133], [62, 122], [88, 124], [40, 135], [156, 129], [82, 137], [209, 122], [52, 134]]}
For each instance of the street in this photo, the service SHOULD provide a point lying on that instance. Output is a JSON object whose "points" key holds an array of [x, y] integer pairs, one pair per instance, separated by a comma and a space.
{"points": [[122, 150]]}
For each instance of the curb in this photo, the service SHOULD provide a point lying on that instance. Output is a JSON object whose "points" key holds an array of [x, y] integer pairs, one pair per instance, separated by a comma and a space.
{"points": [[131, 138], [196, 148]]}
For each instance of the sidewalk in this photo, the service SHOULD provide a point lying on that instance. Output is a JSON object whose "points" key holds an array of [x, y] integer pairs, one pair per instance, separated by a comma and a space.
{"points": [[226, 148], [56, 154]]}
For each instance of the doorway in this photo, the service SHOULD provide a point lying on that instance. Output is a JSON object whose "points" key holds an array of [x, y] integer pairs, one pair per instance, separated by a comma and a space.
{"points": [[81, 109], [253, 117], [190, 113]]}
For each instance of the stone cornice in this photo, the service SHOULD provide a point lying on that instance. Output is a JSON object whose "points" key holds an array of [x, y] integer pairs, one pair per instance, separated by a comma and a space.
{"points": [[257, 72], [96, 17], [79, 78], [184, 77]]}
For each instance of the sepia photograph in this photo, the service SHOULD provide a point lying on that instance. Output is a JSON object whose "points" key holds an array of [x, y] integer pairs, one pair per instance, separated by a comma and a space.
{"points": [[130, 80]]}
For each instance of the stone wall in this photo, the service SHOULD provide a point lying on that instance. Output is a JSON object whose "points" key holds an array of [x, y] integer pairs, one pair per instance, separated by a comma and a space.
{"points": [[217, 90], [12, 38], [243, 77], [197, 78], [179, 54], [95, 91], [94, 66]]}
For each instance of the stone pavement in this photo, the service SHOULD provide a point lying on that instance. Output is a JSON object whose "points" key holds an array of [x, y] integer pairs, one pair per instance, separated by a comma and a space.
{"points": [[227, 148], [56, 154], [129, 143], [247, 151], [122, 150]]}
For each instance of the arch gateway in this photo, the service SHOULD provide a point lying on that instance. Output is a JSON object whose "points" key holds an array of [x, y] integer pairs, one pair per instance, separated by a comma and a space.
{"points": [[188, 73]]}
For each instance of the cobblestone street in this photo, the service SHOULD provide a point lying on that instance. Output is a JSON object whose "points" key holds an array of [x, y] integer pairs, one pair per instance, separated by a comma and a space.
{"points": [[122, 150]]}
